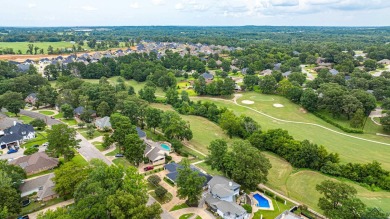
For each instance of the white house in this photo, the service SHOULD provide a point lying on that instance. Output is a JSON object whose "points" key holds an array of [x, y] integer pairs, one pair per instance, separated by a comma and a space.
{"points": [[17, 134], [222, 198]]}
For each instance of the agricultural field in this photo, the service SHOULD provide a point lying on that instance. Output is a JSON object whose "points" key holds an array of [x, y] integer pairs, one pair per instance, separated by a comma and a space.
{"points": [[297, 184], [23, 46], [302, 125]]}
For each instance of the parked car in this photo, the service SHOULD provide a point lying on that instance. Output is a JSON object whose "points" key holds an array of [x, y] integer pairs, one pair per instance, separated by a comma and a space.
{"points": [[24, 217], [11, 151], [148, 168], [3, 146], [25, 202], [118, 155]]}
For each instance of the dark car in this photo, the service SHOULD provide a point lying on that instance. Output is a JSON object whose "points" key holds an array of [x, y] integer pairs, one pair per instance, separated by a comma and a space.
{"points": [[11, 151], [25, 202], [24, 217], [148, 168], [118, 155]]}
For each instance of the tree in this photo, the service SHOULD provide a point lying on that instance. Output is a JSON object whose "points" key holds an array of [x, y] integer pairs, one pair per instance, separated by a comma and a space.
{"points": [[386, 104], [148, 93], [131, 91], [134, 148], [268, 84], [217, 152], [309, 100], [103, 109], [350, 105], [154, 179], [10, 196], [212, 63], [47, 95], [160, 192], [385, 121], [189, 183], [297, 77], [38, 123], [172, 97], [370, 65], [174, 127], [225, 65], [246, 165], [50, 50], [67, 111], [51, 72], [90, 132], [200, 86], [339, 200], [68, 176], [230, 123], [12, 101], [122, 127], [357, 120], [184, 96], [62, 141], [32, 70], [153, 118]]}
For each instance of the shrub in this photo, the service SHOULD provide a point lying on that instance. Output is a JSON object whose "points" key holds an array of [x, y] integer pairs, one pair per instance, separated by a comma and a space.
{"points": [[154, 179], [160, 192], [38, 123], [30, 150], [248, 208], [81, 124]]}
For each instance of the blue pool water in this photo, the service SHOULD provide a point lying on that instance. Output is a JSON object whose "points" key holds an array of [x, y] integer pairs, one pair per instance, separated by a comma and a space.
{"points": [[263, 202], [166, 147]]}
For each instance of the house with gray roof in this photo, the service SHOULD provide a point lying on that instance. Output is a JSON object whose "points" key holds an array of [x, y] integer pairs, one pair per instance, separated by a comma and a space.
{"points": [[333, 71], [221, 198], [103, 123], [17, 134], [154, 152], [207, 76], [288, 215], [31, 99], [277, 66], [43, 186], [172, 169], [286, 74], [35, 163]]}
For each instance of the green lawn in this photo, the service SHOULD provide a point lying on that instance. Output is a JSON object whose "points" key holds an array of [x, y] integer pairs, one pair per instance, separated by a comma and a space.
{"points": [[83, 132], [23, 46], [23, 118], [60, 115], [349, 149], [167, 198], [39, 140], [279, 208], [300, 185], [178, 207], [204, 166], [186, 216], [203, 130], [46, 112], [99, 145], [122, 161], [80, 160], [112, 153], [70, 122]]}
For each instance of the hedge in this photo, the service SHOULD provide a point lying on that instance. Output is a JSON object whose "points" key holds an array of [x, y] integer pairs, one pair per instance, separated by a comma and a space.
{"points": [[345, 129]]}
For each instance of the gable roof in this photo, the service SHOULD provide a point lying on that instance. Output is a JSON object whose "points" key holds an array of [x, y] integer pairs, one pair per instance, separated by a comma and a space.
{"points": [[221, 180], [35, 162], [43, 184], [103, 122], [288, 215], [173, 168], [227, 208], [20, 129], [287, 73], [333, 71], [140, 133], [10, 138], [79, 110]]}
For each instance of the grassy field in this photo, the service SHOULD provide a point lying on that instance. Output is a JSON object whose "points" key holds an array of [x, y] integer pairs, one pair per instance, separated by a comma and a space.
{"points": [[350, 149], [83, 132], [203, 130], [23, 46], [300, 185], [46, 112]]}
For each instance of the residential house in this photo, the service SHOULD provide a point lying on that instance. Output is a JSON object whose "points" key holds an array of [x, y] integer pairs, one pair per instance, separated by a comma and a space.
{"points": [[23, 67], [141, 134], [286, 74], [266, 72], [43, 186], [333, 71], [35, 163], [31, 99], [79, 110], [288, 215], [103, 123], [207, 76], [221, 198], [277, 66], [172, 169], [17, 134], [244, 70], [296, 53], [219, 62], [154, 152]]}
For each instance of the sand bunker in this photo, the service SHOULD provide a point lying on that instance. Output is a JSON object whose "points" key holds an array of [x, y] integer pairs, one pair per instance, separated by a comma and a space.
{"points": [[278, 105], [247, 102]]}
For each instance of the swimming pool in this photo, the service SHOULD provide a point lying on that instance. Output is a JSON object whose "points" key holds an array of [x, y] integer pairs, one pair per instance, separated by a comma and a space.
{"points": [[262, 202], [166, 147]]}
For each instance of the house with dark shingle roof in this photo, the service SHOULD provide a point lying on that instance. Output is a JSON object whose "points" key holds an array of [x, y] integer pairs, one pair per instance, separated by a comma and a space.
{"points": [[43, 186], [35, 163], [221, 198], [17, 134], [207, 76], [333, 71], [79, 110], [172, 169]]}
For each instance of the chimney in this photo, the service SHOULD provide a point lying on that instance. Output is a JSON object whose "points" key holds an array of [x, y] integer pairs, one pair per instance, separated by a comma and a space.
{"points": [[230, 184], [14, 122]]}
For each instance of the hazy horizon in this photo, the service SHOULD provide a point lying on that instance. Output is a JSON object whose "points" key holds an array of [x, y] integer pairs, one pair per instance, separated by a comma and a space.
{"points": [[88, 13]]}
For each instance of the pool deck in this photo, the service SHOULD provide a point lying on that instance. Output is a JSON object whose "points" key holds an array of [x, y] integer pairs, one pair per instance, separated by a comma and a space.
{"points": [[255, 202]]}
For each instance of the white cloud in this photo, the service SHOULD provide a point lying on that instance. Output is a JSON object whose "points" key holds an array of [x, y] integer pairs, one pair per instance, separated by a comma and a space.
{"points": [[32, 5], [158, 2], [134, 5], [179, 6], [285, 3], [89, 8]]}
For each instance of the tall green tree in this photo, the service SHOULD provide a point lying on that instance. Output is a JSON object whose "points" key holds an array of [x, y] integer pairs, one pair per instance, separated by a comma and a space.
{"points": [[67, 111], [62, 141], [68, 176], [153, 118], [217, 151], [174, 127], [134, 148], [357, 120], [189, 183], [12, 101], [268, 84], [103, 109]]}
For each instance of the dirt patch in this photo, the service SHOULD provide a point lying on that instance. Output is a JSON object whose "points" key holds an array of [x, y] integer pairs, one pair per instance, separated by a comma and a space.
{"points": [[302, 110], [278, 105], [247, 102]]}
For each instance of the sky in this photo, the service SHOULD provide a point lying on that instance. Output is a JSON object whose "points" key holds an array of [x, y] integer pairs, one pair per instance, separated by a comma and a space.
{"points": [[195, 12]]}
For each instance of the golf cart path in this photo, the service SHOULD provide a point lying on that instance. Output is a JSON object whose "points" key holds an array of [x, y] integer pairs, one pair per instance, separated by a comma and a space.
{"points": [[236, 96]]}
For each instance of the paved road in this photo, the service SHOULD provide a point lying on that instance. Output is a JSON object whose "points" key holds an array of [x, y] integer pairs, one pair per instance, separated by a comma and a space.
{"points": [[87, 150]]}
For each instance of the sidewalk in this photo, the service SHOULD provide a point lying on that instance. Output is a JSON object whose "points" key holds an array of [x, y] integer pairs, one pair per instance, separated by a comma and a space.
{"points": [[34, 215]]}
